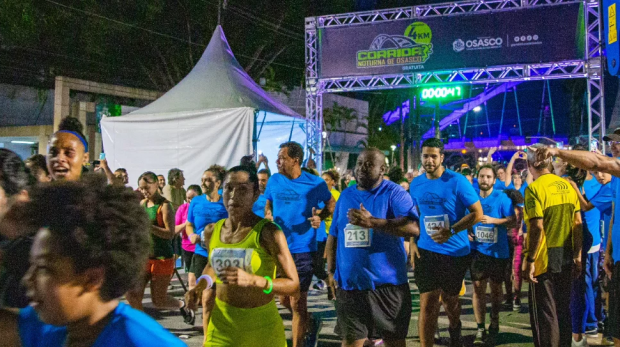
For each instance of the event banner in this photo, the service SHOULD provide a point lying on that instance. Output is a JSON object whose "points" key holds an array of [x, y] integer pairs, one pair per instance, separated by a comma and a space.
{"points": [[534, 35]]}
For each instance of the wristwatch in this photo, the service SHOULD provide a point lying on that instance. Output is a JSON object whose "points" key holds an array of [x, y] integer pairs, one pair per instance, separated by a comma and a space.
{"points": [[530, 260]]}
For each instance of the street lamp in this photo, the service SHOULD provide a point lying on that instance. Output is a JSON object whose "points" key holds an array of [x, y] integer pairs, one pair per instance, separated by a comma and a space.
{"points": [[477, 109], [393, 147]]}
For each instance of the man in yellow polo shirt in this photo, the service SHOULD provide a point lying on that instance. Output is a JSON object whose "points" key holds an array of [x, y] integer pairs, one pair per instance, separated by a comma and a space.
{"points": [[552, 252]]}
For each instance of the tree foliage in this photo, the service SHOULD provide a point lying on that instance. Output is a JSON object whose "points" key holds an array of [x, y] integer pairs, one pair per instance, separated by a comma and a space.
{"points": [[151, 43]]}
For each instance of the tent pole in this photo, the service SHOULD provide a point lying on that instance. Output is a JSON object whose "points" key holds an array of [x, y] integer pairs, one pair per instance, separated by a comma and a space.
{"points": [[290, 135], [255, 136], [261, 124]]}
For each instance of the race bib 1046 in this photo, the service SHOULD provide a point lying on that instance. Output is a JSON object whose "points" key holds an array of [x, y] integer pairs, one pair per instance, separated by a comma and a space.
{"points": [[432, 224], [356, 236], [222, 258], [486, 234]]}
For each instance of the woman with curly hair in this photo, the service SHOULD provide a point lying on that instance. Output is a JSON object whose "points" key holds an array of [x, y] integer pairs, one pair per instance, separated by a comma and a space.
{"points": [[92, 239], [160, 266]]}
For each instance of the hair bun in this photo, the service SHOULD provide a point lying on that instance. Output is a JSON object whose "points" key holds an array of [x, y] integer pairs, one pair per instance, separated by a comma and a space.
{"points": [[71, 124]]}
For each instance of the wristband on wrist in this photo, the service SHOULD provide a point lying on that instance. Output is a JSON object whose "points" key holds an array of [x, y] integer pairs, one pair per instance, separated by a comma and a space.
{"points": [[270, 283], [206, 278], [530, 260]]}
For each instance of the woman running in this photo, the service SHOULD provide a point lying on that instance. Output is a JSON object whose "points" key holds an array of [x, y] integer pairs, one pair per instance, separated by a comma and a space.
{"points": [[92, 239], [160, 266], [245, 252], [181, 221], [68, 151]]}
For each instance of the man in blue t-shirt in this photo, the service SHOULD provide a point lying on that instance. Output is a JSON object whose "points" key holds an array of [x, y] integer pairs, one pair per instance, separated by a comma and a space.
{"points": [[259, 205], [585, 292], [367, 263], [441, 255], [593, 162], [490, 252], [293, 198]]}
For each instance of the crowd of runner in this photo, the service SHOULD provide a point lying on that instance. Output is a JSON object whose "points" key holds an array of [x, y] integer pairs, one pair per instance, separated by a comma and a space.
{"points": [[75, 246]]}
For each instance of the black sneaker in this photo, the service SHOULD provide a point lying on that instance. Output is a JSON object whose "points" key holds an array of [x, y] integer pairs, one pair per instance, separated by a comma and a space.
{"points": [[189, 316], [508, 304], [516, 305], [455, 336], [312, 338]]}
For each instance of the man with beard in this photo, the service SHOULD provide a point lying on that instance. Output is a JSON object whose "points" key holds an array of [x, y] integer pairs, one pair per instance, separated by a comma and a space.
{"points": [[490, 255], [366, 258], [293, 198], [441, 255], [259, 205]]}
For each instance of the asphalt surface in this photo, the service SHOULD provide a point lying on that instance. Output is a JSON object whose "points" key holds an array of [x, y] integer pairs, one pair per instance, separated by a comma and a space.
{"points": [[514, 326]]}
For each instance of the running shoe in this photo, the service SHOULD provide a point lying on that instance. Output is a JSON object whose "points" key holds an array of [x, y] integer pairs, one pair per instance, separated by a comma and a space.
{"points": [[480, 337], [312, 338], [189, 316], [581, 343], [516, 305], [455, 336], [592, 333], [319, 285]]}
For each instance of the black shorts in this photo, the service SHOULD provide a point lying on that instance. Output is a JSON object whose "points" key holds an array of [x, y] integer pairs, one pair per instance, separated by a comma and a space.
{"points": [[199, 263], [304, 262], [381, 313], [187, 260], [439, 271], [614, 303], [486, 267]]}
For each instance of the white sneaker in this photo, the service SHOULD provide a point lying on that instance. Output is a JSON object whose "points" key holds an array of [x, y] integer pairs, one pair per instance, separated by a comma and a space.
{"points": [[581, 343]]}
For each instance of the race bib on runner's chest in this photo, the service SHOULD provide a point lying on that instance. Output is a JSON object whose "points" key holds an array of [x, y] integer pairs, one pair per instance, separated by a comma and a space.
{"points": [[356, 236], [432, 224], [221, 258], [486, 234]]}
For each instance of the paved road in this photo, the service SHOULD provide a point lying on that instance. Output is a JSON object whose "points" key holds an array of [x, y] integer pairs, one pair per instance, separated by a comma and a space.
{"points": [[514, 326]]}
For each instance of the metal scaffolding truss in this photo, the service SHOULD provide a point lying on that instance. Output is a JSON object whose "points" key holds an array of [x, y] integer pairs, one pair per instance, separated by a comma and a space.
{"points": [[432, 10], [591, 67], [507, 73]]}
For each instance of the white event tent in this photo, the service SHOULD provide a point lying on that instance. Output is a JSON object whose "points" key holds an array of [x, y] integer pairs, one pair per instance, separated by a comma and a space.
{"points": [[213, 116]]}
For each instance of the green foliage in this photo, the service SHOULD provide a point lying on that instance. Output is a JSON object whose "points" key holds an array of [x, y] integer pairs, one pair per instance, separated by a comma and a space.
{"points": [[337, 115], [153, 43]]}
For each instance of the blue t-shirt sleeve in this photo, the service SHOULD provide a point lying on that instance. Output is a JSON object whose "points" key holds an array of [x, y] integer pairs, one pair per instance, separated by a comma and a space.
{"points": [[323, 193], [268, 194], [603, 198], [333, 229], [465, 192], [507, 207], [190, 211], [402, 205]]}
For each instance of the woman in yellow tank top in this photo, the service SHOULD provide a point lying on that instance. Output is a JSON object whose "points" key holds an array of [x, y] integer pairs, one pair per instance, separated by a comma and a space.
{"points": [[244, 252]]}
